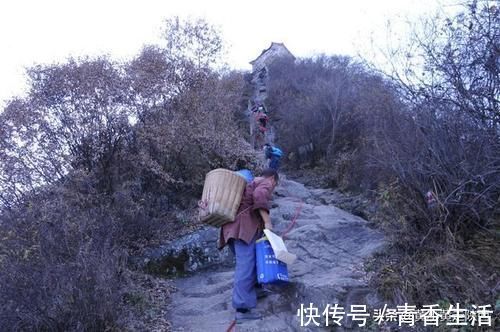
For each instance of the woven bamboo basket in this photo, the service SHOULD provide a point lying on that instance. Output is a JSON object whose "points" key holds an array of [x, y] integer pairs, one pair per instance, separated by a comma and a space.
{"points": [[221, 197]]}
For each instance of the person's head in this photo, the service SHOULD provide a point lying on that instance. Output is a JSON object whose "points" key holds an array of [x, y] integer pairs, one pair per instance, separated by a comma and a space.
{"points": [[272, 174]]}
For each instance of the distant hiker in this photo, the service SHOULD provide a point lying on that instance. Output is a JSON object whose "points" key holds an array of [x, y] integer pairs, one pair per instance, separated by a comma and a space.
{"points": [[240, 235], [258, 108], [262, 119], [274, 155]]}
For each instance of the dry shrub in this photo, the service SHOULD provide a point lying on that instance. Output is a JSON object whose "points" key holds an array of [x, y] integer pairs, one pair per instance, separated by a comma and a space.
{"points": [[336, 103], [400, 135], [61, 266]]}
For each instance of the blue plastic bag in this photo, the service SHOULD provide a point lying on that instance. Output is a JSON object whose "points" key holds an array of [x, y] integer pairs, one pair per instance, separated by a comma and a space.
{"points": [[269, 269], [246, 174]]}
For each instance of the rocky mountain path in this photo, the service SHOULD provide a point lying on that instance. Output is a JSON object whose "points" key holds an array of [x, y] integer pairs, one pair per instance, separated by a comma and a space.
{"points": [[331, 245]]}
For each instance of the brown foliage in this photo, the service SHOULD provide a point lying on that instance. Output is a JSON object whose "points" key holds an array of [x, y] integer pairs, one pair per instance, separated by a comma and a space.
{"points": [[99, 157], [447, 142], [408, 133], [336, 104]]}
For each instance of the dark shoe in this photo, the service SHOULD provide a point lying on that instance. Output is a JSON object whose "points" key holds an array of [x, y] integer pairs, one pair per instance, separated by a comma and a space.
{"points": [[249, 315], [263, 292]]}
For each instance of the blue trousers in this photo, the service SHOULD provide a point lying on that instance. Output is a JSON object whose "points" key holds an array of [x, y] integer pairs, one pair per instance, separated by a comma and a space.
{"points": [[274, 163], [245, 273]]}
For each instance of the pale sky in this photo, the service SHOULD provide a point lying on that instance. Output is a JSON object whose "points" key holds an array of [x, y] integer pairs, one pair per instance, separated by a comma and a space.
{"points": [[50, 31]]}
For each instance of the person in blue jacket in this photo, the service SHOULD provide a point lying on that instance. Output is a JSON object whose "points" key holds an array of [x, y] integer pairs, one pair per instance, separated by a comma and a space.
{"points": [[274, 155]]}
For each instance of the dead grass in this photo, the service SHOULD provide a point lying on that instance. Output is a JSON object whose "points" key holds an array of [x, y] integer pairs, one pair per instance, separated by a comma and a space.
{"points": [[468, 275], [147, 300]]}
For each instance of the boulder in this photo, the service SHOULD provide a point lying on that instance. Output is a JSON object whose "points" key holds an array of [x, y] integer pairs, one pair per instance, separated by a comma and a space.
{"points": [[187, 254]]}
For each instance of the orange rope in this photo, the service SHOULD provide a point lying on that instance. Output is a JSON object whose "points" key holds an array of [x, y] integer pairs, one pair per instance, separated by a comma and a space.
{"points": [[231, 326], [294, 219]]}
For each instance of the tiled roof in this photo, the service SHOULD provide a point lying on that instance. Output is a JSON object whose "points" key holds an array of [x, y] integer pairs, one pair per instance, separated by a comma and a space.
{"points": [[267, 49]]}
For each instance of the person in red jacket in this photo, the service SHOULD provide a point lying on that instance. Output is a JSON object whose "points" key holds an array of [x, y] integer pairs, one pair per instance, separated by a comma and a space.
{"points": [[252, 217], [262, 119]]}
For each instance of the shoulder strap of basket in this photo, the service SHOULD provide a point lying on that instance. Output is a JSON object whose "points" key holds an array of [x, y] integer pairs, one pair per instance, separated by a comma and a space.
{"points": [[244, 210]]}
